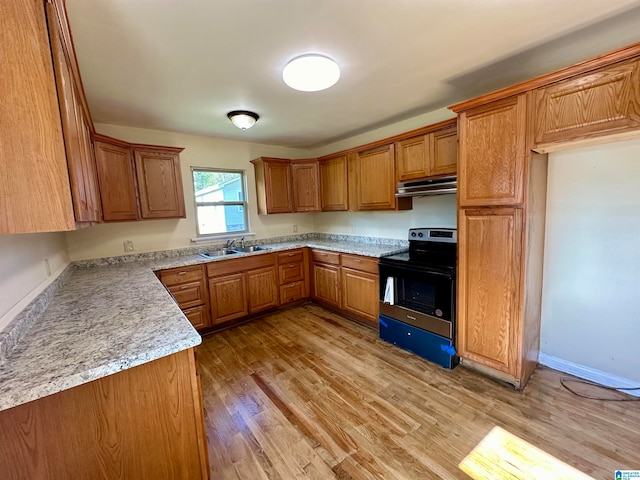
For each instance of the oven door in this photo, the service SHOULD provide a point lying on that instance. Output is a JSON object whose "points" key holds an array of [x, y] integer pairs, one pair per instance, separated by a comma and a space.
{"points": [[418, 296]]}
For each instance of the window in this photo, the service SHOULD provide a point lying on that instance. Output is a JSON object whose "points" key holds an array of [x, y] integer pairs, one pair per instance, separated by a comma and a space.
{"points": [[221, 201]]}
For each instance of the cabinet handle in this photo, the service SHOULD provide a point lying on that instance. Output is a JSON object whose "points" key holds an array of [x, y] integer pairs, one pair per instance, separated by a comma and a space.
{"points": [[292, 265], [412, 318], [356, 260], [182, 287], [291, 254], [182, 273]]}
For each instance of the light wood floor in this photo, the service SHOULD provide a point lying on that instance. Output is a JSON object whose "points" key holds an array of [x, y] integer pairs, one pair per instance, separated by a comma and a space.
{"points": [[305, 393]]}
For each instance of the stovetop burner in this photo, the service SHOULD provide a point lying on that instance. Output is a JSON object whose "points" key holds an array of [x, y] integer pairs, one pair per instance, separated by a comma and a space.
{"points": [[431, 248]]}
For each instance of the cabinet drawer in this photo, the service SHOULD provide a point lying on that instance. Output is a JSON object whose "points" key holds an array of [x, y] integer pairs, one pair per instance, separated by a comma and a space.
{"points": [[237, 265], [358, 262], [291, 272], [291, 292], [322, 256], [198, 316], [177, 276], [288, 257], [189, 294]]}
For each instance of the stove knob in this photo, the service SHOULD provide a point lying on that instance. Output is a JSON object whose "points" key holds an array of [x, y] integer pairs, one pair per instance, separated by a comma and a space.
{"points": [[413, 234], [420, 234]]}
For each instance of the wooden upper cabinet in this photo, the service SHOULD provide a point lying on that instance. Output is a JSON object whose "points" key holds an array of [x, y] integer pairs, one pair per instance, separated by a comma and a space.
{"points": [[603, 102], [375, 180], [35, 195], [493, 153], [489, 325], [333, 184], [76, 125], [273, 185], [412, 158], [305, 180], [159, 184], [117, 182], [431, 155], [443, 148], [138, 181]]}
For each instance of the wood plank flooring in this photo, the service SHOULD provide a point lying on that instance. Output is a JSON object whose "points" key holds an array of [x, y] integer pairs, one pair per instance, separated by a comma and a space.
{"points": [[307, 394]]}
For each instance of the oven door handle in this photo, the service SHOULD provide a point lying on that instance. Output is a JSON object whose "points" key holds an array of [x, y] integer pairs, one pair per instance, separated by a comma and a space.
{"points": [[392, 271]]}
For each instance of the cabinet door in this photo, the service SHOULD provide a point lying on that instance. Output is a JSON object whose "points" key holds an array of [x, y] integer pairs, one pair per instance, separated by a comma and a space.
{"points": [[305, 179], [80, 160], [35, 195], [489, 325], [159, 184], [326, 284], [375, 179], [117, 184], [412, 158], [360, 294], [333, 184], [492, 153], [263, 288], [228, 296], [278, 187], [443, 147], [601, 102]]}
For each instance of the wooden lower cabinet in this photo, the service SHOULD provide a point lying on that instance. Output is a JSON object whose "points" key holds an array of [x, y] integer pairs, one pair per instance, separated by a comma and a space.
{"points": [[263, 288], [360, 294], [143, 422], [349, 283], [188, 287], [326, 281], [292, 292], [198, 316], [228, 298], [490, 327]]}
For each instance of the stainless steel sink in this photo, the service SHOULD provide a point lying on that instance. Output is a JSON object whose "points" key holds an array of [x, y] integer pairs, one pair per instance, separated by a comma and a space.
{"points": [[253, 248], [218, 253]]}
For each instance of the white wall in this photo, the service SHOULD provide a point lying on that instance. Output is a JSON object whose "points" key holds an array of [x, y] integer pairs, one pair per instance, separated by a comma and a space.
{"points": [[437, 211], [397, 128], [591, 287], [107, 239], [22, 270]]}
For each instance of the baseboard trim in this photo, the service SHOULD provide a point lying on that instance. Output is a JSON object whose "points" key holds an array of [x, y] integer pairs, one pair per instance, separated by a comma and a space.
{"points": [[589, 373]]}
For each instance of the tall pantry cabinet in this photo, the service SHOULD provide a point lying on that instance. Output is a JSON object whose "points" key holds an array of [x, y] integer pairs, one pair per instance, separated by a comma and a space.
{"points": [[499, 245], [502, 171]]}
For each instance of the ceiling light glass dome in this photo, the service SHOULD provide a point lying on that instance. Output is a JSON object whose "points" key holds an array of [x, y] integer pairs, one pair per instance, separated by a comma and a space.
{"points": [[311, 73]]}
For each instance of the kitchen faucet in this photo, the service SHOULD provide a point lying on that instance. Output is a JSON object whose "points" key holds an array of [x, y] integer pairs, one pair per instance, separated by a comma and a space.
{"points": [[242, 242], [230, 243]]}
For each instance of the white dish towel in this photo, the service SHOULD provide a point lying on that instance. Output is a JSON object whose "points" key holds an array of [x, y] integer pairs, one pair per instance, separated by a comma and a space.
{"points": [[388, 291]]}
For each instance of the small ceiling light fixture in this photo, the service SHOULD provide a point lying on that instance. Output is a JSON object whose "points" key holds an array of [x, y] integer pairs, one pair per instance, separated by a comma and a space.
{"points": [[310, 73], [243, 119]]}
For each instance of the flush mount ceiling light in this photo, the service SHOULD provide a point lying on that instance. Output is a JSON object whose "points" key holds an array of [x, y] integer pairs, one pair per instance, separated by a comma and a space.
{"points": [[243, 119], [310, 73]]}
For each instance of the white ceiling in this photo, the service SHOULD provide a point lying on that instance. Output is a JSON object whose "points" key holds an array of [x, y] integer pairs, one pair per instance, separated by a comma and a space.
{"points": [[182, 65]]}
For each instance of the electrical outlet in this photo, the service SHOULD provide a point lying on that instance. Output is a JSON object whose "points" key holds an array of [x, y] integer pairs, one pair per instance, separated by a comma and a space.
{"points": [[295, 229], [128, 246]]}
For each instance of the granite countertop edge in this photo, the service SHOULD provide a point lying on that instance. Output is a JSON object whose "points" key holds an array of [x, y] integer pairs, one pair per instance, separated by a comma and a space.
{"points": [[74, 315]]}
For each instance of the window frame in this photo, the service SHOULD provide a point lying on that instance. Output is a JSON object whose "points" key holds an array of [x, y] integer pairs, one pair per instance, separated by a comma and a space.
{"points": [[239, 203]]}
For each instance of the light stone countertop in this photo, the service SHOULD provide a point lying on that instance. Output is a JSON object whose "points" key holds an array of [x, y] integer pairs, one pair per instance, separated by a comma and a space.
{"points": [[113, 314]]}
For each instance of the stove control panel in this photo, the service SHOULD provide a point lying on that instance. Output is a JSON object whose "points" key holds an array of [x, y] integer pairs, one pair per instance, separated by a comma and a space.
{"points": [[444, 235]]}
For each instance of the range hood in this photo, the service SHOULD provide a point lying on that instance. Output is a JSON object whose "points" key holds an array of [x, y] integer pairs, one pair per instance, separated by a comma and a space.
{"points": [[426, 188]]}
